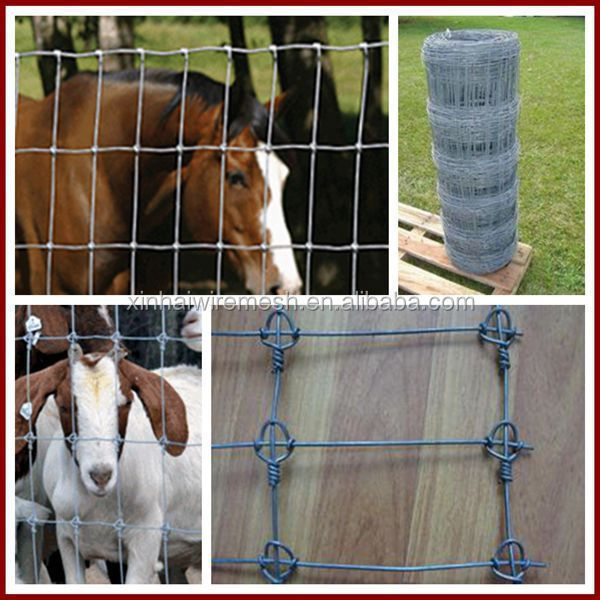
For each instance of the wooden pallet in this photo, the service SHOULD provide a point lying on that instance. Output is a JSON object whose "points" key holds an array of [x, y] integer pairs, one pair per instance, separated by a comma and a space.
{"points": [[414, 242]]}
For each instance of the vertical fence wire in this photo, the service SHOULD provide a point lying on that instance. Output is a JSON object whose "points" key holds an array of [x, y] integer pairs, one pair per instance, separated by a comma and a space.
{"points": [[53, 151], [73, 441], [180, 150], [25, 412], [136, 172], [223, 149], [92, 232], [313, 160], [359, 148], [268, 150], [118, 525]]}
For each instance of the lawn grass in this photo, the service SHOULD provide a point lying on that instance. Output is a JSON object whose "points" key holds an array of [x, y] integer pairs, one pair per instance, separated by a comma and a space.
{"points": [[551, 130], [158, 33]]}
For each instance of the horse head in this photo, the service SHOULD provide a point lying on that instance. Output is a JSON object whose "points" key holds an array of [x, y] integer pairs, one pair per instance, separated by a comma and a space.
{"points": [[252, 226]]}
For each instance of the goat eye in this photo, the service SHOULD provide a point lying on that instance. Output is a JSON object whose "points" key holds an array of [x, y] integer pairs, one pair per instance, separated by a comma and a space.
{"points": [[237, 178]]}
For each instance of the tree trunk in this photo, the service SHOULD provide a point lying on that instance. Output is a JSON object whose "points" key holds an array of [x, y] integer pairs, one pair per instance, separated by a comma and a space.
{"points": [[332, 200], [240, 61], [373, 227], [371, 28], [297, 69], [114, 33], [53, 33]]}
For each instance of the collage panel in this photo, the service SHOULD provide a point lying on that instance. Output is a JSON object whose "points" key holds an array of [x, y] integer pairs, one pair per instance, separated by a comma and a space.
{"points": [[108, 423], [491, 154], [398, 447], [254, 159]]}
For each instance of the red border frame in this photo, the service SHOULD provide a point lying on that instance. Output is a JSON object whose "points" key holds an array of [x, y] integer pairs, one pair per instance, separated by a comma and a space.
{"points": [[272, 3]]}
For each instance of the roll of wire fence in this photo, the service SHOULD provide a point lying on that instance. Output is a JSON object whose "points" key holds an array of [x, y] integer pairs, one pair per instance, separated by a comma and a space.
{"points": [[473, 106]]}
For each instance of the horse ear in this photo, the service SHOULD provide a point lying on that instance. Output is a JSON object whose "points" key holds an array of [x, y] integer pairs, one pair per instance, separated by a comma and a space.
{"points": [[284, 102], [241, 96], [151, 390]]}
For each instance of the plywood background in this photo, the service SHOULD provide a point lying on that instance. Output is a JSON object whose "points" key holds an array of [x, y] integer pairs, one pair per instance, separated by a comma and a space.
{"points": [[402, 506]]}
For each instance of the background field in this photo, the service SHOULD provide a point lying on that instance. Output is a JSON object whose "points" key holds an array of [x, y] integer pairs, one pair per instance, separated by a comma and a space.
{"points": [[167, 33], [551, 131]]}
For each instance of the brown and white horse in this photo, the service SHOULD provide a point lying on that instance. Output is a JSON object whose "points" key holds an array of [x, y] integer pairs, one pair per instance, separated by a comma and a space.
{"points": [[113, 188]]}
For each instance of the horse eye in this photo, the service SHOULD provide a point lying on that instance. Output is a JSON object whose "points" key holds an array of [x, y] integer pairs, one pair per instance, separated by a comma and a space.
{"points": [[237, 178]]}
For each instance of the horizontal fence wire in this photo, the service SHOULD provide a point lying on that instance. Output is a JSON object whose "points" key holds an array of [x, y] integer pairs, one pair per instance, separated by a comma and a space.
{"points": [[133, 246], [277, 562], [34, 335]]}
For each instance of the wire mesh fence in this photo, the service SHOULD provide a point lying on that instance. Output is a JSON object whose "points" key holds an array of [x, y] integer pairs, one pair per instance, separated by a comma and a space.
{"points": [[276, 445], [43, 261], [108, 476]]}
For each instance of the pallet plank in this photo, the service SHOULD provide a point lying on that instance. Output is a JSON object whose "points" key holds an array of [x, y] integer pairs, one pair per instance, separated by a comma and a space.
{"points": [[423, 219], [414, 243], [415, 280]]}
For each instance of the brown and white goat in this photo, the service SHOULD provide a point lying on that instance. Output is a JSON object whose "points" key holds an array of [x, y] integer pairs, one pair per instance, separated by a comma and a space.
{"points": [[103, 398], [56, 321]]}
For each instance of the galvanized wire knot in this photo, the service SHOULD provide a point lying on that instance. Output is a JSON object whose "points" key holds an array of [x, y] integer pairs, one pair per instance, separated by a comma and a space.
{"points": [[271, 566], [504, 334], [517, 566], [278, 346], [33, 327], [514, 447], [273, 463]]}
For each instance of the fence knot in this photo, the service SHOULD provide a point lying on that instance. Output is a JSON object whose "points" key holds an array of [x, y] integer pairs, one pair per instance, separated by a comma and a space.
{"points": [[273, 473], [278, 346], [515, 566], [502, 334], [514, 446], [271, 563], [273, 460], [75, 524], [33, 327], [119, 526], [166, 530], [33, 521], [26, 411], [162, 339]]}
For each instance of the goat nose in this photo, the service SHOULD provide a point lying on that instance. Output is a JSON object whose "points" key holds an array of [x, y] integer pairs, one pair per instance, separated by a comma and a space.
{"points": [[101, 475]]}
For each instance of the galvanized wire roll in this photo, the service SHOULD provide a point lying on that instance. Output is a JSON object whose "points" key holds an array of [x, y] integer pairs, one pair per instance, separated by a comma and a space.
{"points": [[473, 107], [489, 212]]}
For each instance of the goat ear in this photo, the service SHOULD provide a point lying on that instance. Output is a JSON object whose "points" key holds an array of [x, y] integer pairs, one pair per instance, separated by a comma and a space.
{"points": [[41, 385], [148, 387], [55, 323]]}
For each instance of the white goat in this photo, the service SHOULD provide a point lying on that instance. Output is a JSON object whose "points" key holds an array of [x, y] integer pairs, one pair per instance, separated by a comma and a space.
{"points": [[24, 562], [191, 332], [112, 397]]}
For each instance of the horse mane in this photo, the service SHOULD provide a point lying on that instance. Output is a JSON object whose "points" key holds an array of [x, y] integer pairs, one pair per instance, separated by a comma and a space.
{"points": [[244, 108]]}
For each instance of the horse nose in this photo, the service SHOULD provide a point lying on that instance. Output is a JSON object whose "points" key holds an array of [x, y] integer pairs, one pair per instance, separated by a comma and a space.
{"points": [[101, 475]]}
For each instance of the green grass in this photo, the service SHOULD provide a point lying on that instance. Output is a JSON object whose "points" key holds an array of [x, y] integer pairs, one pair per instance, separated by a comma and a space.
{"points": [[158, 33], [551, 130]]}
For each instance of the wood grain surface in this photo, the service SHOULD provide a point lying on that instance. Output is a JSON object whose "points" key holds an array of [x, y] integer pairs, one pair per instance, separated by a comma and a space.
{"points": [[402, 506]]}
